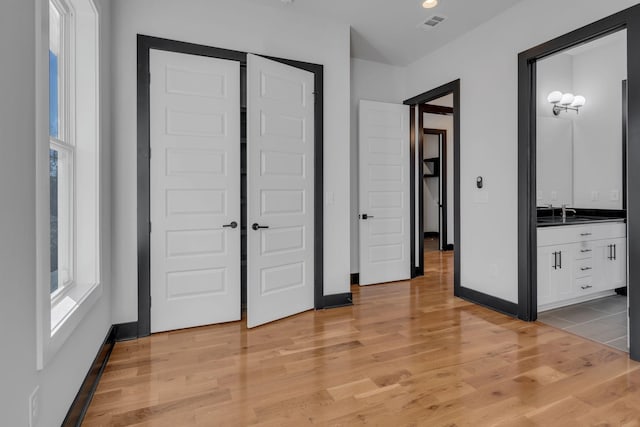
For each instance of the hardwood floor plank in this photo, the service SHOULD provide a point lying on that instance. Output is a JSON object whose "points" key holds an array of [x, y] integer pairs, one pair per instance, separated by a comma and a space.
{"points": [[406, 354]]}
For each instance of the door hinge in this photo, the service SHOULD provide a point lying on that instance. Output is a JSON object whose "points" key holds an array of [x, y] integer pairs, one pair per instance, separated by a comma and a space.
{"points": [[149, 226]]}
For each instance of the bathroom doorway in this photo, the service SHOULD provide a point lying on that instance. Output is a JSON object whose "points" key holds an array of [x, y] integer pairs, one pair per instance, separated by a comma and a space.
{"points": [[580, 180], [573, 245]]}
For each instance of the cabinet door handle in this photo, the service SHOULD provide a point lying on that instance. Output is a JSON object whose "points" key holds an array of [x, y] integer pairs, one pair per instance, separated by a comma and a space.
{"points": [[615, 252], [555, 260], [610, 257], [585, 234], [585, 250], [586, 287], [585, 268], [560, 256]]}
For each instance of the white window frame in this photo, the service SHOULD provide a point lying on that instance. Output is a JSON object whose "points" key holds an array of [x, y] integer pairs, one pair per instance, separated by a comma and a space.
{"points": [[65, 143], [59, 313]]}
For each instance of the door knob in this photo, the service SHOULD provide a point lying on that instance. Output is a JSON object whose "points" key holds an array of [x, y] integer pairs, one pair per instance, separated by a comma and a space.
{"points": [[365, 216], [233, 224], [257, 226]]}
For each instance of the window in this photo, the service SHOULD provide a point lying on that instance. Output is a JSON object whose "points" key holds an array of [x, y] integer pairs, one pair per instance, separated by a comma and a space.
{"points": [[68, 169], [61, 155]]}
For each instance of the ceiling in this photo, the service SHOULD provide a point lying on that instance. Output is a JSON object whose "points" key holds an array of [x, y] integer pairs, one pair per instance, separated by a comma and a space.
{"points": [[386, 30]]}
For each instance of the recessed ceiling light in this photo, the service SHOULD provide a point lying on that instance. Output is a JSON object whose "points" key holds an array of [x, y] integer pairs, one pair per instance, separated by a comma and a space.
{"points": [[428, 4]]}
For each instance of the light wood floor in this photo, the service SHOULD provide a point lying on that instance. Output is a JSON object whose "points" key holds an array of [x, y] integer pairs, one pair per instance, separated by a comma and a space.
{"points": [[406, 353]]}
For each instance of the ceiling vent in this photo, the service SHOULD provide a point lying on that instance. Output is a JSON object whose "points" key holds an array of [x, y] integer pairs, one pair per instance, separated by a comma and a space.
{"points": [[432, 22]]}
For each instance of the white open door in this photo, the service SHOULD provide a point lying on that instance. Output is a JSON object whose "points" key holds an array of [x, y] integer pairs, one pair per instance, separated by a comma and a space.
{"points": [[280, 190], [195, 190], [385, 239]]}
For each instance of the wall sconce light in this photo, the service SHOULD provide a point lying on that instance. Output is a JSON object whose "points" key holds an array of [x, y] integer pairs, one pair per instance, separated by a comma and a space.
{"points": [[565, 102]]}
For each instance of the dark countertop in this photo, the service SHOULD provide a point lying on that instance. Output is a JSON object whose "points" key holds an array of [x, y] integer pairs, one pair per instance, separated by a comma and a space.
{"points": [[555, 221]]}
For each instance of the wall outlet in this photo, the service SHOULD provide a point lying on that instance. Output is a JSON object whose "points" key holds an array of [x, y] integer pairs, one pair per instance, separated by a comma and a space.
{"points": [[615, 195], [595, 196], [34, 407], [554, 195]]}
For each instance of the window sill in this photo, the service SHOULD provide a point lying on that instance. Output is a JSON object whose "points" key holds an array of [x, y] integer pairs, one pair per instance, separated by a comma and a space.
{"points": [[68, 312]]}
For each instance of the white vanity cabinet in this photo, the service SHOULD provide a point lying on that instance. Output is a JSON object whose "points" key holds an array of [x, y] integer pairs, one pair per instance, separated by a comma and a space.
{"points": [[554, 273], [580, 262]]}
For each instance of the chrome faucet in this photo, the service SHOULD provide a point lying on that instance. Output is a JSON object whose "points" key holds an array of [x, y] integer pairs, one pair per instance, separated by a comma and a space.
{"points": [[564, 212]]}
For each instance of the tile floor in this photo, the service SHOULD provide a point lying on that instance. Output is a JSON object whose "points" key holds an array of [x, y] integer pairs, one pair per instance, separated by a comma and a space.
{"points": [[603, 320]]}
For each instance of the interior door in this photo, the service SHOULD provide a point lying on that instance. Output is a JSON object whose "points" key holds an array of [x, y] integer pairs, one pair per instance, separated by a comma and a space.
{"points": [[195, 190], [280, 190], [385, 240]]}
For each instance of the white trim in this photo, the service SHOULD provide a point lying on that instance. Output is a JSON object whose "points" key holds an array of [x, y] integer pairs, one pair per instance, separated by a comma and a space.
{"points": [[58, 317]]}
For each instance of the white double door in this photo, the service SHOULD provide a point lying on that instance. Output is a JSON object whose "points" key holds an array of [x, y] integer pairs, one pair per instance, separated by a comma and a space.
{"points": [[195, 192]]}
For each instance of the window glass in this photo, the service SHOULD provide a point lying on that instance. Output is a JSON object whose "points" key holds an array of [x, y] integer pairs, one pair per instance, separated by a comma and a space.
{"points": [[54, 71]]}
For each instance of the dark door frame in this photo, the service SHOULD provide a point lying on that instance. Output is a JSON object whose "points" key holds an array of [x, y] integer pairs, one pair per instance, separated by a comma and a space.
{"points": [[628, 19], [442, 191], [144, 45], [416, 142]]}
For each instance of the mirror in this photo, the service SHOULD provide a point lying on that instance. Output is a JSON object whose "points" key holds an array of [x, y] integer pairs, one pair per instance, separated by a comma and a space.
{"points": [[580, 149]]}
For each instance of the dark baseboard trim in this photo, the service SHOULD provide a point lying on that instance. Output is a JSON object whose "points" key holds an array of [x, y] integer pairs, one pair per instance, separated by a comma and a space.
{"points": [[449, 247], [126, 331], [488, 301], [338, 300], [428, 234], [80, 404], [355, 278]]}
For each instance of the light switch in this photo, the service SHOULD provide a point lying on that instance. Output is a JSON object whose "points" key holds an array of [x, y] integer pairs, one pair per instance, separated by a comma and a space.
{"points": [[554, 195], [595, 196], [615, 195]]}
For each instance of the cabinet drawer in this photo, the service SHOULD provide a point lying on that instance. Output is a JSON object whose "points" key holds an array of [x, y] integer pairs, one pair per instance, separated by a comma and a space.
{"points": [[584, 268], [584, 251], [610, 230], [585, 285], [548, 236]]}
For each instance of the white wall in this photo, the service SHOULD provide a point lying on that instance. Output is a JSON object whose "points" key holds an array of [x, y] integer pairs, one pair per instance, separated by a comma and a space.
{"points": [[485, 60], [597, 130], [431, 186], [554, 134], [371, 81], [438, 121], [244, 27], [580, 155], [60, 380]]}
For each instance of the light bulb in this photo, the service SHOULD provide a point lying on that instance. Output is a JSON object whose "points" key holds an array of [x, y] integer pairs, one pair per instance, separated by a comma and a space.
{"points": [[578, 101], [567, 99], [554, 97], [428, 4]]}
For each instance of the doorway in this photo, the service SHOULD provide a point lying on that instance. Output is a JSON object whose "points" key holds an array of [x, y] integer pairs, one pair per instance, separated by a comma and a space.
{"points": [[435, 153], [530, 240]]}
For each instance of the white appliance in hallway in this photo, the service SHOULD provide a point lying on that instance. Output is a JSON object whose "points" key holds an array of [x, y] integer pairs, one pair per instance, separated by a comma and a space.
{"points": [[280, 195], [384, 189], [195, 190]]}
